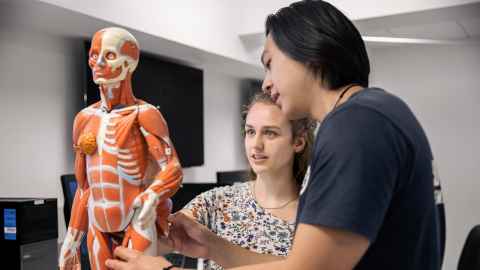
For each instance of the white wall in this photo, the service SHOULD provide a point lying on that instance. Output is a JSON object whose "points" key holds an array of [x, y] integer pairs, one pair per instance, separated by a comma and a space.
{"points": [[441, 85], [222, 136], [41, 86]]}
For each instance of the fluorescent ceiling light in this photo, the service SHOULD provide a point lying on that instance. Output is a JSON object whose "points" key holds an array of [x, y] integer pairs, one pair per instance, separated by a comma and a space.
{"points": [[375, 39]]}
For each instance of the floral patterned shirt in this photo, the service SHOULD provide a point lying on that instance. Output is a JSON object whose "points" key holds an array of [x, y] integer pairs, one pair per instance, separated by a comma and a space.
{"points": [[232, 213]]}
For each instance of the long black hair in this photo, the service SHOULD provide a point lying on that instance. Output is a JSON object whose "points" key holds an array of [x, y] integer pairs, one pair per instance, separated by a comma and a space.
{"points": [[318, 35]]}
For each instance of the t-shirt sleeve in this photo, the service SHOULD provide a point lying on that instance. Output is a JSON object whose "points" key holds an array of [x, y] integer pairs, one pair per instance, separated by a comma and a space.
{"points": [[355, 165]]}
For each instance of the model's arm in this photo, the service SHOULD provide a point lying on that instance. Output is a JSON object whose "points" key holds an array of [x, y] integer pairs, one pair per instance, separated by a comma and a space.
{"points": [[70, 251], [317, 247], [169, 176], [155, 131]]}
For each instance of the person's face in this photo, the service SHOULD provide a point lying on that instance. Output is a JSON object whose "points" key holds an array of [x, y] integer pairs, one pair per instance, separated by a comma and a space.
{"points": [[288, 82], [268, 139]]}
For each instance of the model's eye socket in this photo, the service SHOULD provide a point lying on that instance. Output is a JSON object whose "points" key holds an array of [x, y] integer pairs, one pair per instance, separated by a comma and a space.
{"points": [[94, 56], [111, 56]]}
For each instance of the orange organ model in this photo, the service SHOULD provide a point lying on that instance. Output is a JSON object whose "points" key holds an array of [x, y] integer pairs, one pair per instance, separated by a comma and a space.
{"points": [[125, 164]]}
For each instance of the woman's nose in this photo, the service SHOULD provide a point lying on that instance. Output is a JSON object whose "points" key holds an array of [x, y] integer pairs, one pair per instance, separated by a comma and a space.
{"points": [[258, 142]]}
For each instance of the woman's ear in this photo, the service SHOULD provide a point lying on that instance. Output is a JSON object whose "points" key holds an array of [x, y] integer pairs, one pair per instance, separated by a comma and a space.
{"points": [[299, 144]]}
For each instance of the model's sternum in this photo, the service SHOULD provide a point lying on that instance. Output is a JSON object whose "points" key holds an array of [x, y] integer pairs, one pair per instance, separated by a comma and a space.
{"points": [[115, 173]]}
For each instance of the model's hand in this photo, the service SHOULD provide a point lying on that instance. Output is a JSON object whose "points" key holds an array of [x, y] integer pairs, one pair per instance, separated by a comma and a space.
{"points": [[70, 252], [129, 259], [146, 203], [190, 237], [75, 266]]}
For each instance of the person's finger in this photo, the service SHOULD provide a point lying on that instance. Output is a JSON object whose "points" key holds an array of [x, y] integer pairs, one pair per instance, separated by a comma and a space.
{"points": [[163, 239], [177, 237], [163, 246], [126, 254], [171, 243], [115, 264]]}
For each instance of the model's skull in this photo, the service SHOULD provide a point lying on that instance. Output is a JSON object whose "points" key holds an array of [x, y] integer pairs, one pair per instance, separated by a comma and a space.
{"points": [[114, 54]]}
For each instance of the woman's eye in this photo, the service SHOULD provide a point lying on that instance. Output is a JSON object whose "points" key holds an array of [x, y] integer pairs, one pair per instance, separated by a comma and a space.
{"points": [[270, 133], [249, 132]]}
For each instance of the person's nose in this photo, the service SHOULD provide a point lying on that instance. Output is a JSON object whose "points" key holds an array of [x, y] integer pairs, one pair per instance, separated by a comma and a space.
{"points": [[258, 142], [267, 84]]}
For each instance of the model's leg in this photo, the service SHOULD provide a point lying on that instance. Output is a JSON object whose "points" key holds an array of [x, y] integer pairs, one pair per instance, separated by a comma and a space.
{"points": [[141, 239], [99, 249]]}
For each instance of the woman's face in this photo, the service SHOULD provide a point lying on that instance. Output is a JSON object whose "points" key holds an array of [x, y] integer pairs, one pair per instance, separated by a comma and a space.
{"points": [[288, 82], [268, 139]]}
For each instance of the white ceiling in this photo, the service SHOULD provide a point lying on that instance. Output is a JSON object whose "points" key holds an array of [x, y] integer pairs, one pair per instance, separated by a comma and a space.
{"points": [[453, 23], [255, 10], [459, 23]]}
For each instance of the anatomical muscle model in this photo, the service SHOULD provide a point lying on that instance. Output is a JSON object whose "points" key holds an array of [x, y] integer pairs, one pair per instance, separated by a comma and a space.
{"points": [[125, 164]]}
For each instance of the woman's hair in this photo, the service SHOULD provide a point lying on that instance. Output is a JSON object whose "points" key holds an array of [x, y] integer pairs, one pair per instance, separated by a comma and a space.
{"points": [[318, 35], [301, 127]]}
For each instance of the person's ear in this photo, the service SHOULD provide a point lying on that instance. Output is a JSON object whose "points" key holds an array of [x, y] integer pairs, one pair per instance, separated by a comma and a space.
{"points": [[299, 144]]}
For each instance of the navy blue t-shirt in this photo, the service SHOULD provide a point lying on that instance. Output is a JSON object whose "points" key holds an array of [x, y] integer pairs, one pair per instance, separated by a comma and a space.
{"points": [[371, 174]]}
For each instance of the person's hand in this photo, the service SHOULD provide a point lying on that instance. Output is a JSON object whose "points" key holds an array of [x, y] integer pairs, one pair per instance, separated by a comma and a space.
{"points": [[129, 259], [163, 245], [189, 237]]}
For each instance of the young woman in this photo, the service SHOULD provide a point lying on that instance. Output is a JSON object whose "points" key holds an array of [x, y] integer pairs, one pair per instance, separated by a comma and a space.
{"points": [[259, 214]]}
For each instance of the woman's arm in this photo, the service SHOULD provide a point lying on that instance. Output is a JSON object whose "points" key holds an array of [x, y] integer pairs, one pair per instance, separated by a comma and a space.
{"points": [[193, 239]]}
